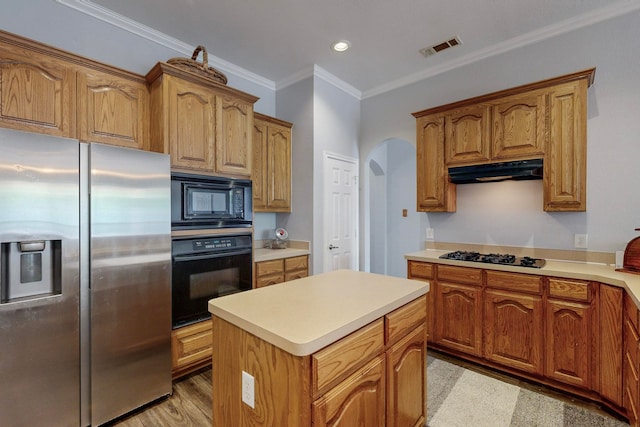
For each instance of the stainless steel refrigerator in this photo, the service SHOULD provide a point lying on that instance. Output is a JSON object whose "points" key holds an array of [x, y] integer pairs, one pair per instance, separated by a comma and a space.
{"points": [[85, 273]]}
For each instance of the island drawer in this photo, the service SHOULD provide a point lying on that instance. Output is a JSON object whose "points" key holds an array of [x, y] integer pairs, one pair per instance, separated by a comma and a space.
{"points": [[404, 319], [470, 276], [332, 363], [569, 289], [514, 282], [420, 270]]}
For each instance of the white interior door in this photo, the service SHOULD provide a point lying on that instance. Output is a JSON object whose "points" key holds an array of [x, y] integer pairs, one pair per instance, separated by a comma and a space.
{"points": [[340, 212]]}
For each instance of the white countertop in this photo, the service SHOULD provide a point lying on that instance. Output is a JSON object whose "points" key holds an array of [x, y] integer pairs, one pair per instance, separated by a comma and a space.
{"points": [[271, 254], [567, 269], [304, 315]]}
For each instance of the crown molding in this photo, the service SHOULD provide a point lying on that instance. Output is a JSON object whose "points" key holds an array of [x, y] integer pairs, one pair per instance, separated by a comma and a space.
{"points": [[317, 71], [568, 25], [103, 14]]}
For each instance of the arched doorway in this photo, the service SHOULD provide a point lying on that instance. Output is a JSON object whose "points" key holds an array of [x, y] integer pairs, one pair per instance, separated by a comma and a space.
{"points": [[391, 175]]}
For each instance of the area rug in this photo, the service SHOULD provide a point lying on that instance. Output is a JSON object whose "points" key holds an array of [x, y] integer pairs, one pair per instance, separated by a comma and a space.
{"points": [[459, 397]]}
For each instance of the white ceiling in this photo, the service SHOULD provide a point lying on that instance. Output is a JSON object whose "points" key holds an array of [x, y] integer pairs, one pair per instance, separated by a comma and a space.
{"points": [[282, 39]]}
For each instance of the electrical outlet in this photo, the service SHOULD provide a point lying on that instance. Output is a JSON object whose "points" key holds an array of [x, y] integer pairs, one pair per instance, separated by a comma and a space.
{"points": [[248, 390], [580, 241], [429, 234]]}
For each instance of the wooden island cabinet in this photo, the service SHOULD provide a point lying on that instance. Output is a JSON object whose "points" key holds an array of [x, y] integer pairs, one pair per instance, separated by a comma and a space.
{"points": [[318, 363]]}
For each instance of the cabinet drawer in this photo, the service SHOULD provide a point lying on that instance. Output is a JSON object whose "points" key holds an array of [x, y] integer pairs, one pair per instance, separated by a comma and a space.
{"points": [[405, 319], [295, 275], [191, 344], [514, 282], [470, 276], [270, 279], [420, 270], [264, 268], [333, 362], [296, 263], [570, 289]]}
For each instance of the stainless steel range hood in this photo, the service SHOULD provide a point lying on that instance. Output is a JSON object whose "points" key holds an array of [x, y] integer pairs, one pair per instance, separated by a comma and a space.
{"points": [[492, 172]]}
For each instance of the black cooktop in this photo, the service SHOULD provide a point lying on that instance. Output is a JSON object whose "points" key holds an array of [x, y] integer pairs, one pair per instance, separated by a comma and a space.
{"points": [[502, 259]]}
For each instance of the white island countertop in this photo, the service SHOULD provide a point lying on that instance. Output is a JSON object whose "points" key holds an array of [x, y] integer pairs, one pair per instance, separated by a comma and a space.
{"points": [[304, 315]]}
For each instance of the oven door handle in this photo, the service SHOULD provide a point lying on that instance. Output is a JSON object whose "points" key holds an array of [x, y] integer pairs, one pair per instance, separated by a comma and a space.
{"points": [[210, 255]]}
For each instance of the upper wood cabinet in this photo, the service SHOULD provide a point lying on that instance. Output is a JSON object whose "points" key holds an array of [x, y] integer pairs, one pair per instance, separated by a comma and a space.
{"points": [[519, 126], [206, 127], [234, 125], [545, 120], [112, 110], [565, 165], [468, 135], [271, 164], [46, 90], [37, 91], [435, 192], [185, 124]]}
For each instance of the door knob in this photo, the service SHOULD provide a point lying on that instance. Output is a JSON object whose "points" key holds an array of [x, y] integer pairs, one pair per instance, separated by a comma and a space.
{"points": [[333, 247]]}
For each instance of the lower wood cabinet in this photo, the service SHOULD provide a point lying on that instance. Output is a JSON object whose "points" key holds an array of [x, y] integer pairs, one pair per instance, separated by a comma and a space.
{"points": [[631, 368], [513, 329], [458, 297], [280, 270], [425, 272], [190, 348], [394, 382], [567, 333]]}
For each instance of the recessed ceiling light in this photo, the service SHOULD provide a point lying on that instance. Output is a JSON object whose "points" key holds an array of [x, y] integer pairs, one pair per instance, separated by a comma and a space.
{"points": [[341, 46]]}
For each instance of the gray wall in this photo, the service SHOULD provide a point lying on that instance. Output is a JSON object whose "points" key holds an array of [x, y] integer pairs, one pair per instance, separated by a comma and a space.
{"points": [[510, 213]]}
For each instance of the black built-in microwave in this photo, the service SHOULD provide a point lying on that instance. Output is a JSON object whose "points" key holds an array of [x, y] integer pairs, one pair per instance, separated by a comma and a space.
{"points": [[201, 201]]}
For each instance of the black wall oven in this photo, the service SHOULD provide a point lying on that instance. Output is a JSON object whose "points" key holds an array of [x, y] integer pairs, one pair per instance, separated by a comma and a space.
{"points": [[207, 267]]}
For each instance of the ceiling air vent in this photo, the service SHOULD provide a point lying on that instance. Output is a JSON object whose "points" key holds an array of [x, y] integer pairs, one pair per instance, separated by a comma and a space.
{"points": [[432, 50]]}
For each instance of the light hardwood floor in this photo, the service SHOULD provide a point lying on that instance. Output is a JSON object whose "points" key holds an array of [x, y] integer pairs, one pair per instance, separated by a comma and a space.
{"points": [[189, 405]]}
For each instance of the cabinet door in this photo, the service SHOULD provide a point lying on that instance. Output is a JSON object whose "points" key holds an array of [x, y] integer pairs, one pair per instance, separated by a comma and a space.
{"points": [[424, 271], [279, 169], [259, 175], [568, 333], [610, 349], [435, 192], [37, 93], [520, 126], [468, 135], [357, 401], [407, 381], [513, 330], [191, 347], [234, 127], [459, 320], [565, 163], [631, 372], [112, 111], [190, 126]]}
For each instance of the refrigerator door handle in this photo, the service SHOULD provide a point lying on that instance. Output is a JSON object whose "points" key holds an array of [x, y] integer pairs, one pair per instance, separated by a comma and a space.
{"points": [[32, 246]]}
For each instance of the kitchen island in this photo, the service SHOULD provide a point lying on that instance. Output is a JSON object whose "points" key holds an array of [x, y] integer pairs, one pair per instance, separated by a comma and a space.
{"points": [[341, 348]]}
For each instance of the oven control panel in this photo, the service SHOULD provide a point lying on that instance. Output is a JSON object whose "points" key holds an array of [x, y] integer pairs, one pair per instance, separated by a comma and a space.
{"points": [[210, 244]]}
